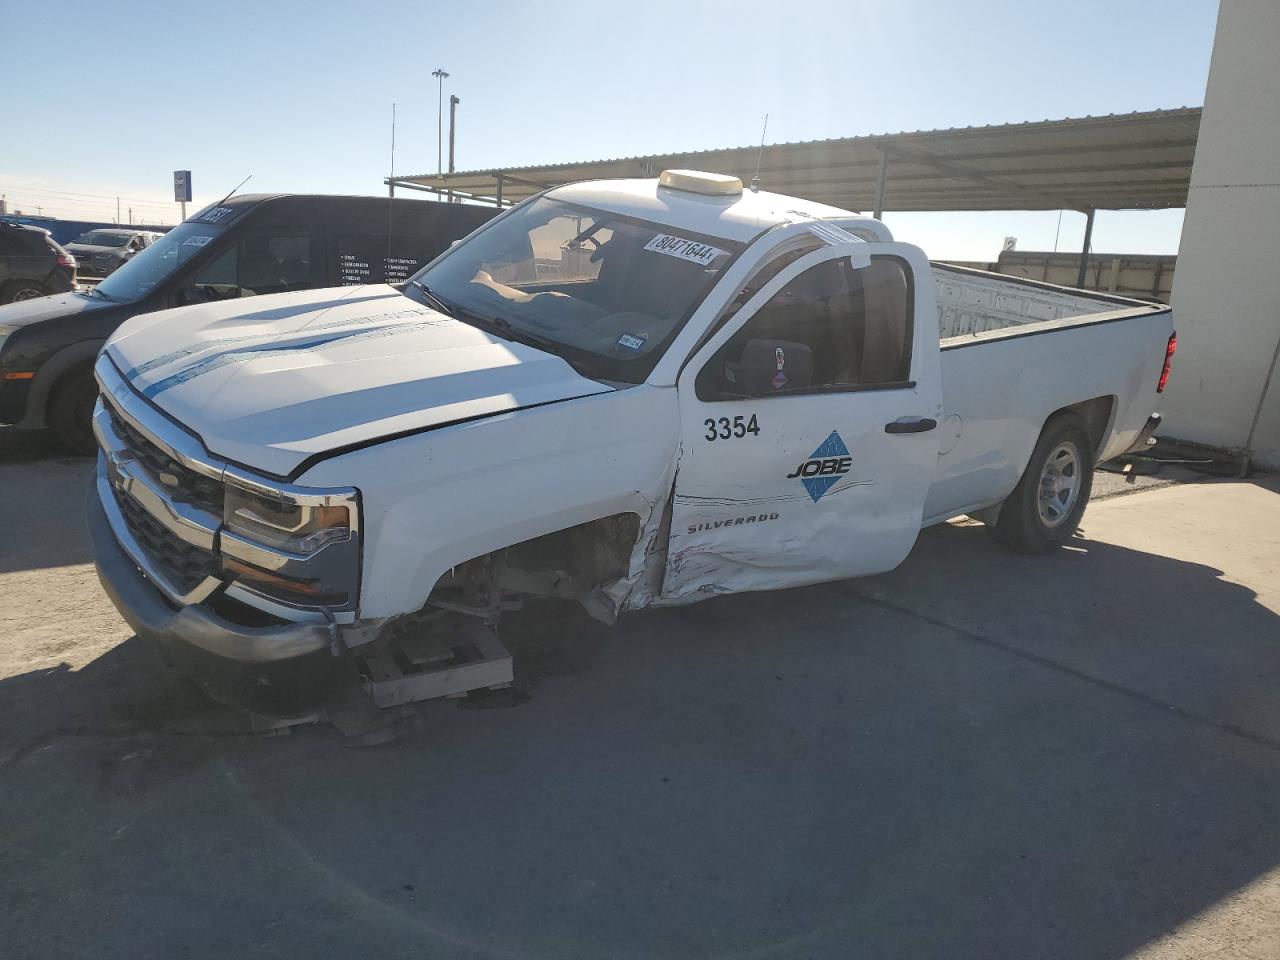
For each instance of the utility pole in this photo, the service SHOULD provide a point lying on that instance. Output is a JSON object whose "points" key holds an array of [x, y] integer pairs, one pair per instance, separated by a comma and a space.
{"points": [[439, 74], [391, 180], [453, 118]]}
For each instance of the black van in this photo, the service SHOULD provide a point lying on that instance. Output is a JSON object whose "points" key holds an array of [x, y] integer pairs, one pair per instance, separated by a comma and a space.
{"points": [[240, 247]]}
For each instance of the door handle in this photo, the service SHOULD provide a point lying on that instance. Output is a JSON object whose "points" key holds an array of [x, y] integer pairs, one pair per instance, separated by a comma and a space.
{"points": [[910, 425]]}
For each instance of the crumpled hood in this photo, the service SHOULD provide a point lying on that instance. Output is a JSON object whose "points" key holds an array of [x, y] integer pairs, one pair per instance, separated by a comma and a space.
{"points": [[272, 381]]}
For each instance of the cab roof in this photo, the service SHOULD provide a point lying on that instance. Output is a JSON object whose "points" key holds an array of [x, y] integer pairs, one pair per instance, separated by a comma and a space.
{"points": [[741, 217]]}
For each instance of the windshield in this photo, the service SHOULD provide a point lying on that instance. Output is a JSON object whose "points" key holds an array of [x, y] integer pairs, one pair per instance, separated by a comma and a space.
{"points": [[606, 292], [103, 238], [140, 275]]}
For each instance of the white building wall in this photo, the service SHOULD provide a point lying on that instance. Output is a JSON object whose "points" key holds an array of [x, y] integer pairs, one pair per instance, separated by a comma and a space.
{"points": [[1226, 294]]}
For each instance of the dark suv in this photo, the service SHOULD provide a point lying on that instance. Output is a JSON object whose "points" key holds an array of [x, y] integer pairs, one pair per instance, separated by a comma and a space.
{"points": [[242, 247], [31, 264]]}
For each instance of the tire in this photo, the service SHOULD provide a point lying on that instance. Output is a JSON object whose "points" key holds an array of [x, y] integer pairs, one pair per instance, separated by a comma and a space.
{"points": [[23, 290], [71, 411], [1045, 507]]}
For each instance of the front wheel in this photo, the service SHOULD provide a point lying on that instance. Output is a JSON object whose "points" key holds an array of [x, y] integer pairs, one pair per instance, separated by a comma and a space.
{"points": [[21, 290], [71, 411], [1044, 509]]}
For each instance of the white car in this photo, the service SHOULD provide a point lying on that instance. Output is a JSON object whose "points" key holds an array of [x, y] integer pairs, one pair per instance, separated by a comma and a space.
{"points": [[634, 393]]}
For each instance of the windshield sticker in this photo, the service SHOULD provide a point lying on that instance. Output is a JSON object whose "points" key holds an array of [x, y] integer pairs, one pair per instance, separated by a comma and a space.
{"points": [[216, 215], [699, 253], [630, 342], [196, 241]]}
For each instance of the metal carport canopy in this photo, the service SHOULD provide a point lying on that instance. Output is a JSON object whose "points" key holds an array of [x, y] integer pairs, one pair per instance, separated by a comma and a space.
{"points": [[1122, 161]]}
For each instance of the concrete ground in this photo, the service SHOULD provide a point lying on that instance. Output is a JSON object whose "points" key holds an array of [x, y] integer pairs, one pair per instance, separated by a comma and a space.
{"points": [[978, 755]]}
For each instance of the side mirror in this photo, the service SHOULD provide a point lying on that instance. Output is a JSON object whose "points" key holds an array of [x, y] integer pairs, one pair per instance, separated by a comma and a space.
{"points": [[768, 366]]}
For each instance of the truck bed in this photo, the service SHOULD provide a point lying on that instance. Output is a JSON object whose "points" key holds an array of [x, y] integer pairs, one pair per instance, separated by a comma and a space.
{"points": [[972, 302], [1013, 352]]}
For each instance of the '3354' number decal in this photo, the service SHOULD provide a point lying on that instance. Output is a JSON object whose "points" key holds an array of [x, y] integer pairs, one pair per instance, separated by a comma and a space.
{"points": [[724, 428]]}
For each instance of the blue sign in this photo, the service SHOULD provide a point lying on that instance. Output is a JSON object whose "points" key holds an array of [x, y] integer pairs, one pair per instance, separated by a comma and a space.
{"points": [[182, 186]]}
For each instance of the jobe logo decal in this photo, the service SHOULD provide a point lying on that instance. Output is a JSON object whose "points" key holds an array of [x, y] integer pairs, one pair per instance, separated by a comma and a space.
{"points": [[824, 467]]}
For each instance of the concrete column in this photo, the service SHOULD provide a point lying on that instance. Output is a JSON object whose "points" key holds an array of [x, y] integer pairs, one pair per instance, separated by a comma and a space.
{"points": [[1226, 291]]}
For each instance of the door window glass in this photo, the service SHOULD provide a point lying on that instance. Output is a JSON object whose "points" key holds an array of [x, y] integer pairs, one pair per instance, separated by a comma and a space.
{"points": [[274, 264], [10, 245], [832, 327], [217, 280], [255, 266]]}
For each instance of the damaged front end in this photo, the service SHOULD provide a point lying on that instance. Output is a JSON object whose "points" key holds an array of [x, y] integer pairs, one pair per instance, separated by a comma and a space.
{"points": [[249, 586]]}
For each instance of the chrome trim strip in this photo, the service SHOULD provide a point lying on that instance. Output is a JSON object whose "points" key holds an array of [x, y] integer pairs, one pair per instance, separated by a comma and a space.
{"points": [[189, 524], [251, 597], [330, 561], [105, 433], [134, 549], [347, 497], [268, 558]]}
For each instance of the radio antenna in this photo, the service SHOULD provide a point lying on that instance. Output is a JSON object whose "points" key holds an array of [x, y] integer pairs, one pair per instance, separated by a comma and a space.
{"points": [[391, 180], [755, 181], [235, 188]]}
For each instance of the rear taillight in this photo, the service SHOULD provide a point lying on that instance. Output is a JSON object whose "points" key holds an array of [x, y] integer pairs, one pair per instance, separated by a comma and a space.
{"points": [[66, 260], [1168, 362]]}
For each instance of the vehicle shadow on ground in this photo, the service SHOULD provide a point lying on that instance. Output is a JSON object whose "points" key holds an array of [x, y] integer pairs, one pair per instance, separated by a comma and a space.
{"points": [[906, 766], [31, 446]]}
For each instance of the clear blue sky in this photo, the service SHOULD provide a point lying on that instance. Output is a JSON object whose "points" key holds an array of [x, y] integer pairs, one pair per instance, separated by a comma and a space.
{"points": [[299, 93]]}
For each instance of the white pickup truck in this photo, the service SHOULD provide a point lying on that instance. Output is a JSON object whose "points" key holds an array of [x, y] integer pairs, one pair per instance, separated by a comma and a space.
{"points": [[633, 393]]}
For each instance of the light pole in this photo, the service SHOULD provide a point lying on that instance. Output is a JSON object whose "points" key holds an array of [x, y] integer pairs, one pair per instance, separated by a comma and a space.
{"points": [[439, 74]]}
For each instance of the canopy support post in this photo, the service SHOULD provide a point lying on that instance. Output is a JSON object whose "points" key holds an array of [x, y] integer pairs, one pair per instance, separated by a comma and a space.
{"points": [[1083, 273], [881, 177]]}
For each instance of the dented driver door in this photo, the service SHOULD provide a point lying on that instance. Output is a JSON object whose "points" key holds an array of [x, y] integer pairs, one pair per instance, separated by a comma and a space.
{"points": [[808, 427]]}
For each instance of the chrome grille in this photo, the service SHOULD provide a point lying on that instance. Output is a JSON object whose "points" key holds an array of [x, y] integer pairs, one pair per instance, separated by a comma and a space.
{"points": [[183, 483], [185, 566], [164, 513]]}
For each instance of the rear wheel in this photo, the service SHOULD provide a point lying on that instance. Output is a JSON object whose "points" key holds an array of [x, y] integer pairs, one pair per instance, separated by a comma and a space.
{"points": [[22, 290], [71, 411], [1044, 510]]}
